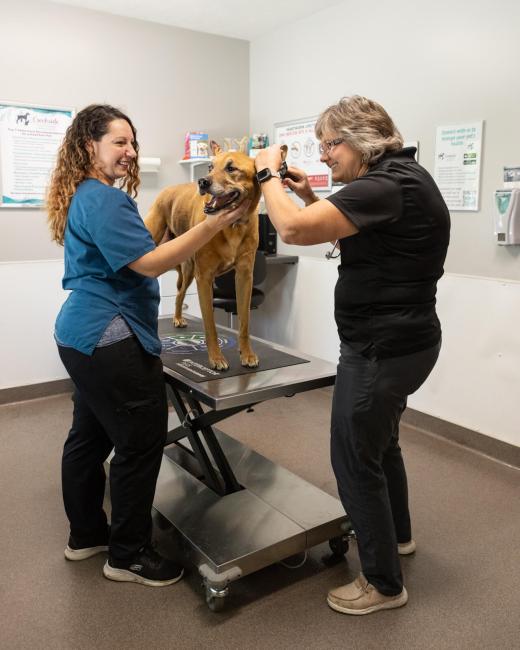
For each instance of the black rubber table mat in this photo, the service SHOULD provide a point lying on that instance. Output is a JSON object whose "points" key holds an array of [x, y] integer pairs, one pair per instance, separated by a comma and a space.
{"points": [[184, 350]]}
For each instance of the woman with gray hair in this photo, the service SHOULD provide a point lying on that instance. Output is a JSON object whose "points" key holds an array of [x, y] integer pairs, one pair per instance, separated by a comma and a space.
{"points": [[392, 227]]}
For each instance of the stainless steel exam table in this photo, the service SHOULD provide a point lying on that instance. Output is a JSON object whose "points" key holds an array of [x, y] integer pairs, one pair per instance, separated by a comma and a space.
{"points": [[235, 510]]}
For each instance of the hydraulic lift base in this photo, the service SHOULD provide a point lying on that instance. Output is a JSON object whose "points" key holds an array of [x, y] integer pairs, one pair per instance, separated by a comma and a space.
{"points": [[277, 514]]}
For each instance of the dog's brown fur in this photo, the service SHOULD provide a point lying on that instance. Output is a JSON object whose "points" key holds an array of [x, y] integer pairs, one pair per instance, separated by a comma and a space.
{"points": [[179, 208]]}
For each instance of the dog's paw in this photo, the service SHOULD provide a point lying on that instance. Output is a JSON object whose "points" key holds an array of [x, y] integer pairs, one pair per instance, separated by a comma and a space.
{"points": [[218, 362], [249, 360], [180, 322]]}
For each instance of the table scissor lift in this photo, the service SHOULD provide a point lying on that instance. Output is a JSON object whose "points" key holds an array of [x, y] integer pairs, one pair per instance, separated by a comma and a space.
{"points": [[235, 510]]}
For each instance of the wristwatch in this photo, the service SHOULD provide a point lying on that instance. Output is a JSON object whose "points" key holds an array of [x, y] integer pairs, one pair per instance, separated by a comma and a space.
{"points": [[265, 174]]}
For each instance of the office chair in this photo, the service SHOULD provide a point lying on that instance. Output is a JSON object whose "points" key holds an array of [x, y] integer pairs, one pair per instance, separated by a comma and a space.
{"points": [[224, 296]]}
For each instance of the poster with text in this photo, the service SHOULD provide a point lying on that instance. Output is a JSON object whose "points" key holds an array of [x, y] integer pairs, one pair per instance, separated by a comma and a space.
{"points": [[303, 150], [457, 164], [29, 140]]}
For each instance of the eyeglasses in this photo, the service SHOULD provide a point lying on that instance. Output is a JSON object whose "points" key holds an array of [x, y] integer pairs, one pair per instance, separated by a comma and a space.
{"points": [[327, 146]]}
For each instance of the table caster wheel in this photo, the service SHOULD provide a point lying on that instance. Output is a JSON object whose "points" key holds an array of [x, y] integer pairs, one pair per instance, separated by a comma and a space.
{"points": [[339, 546], [216, 598]]}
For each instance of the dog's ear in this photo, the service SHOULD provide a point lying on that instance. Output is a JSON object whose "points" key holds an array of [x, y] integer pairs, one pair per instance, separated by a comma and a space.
{"points": [[215, 147], [283, 151]]}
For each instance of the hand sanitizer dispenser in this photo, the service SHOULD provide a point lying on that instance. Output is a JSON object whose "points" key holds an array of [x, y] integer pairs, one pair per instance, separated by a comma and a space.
{"points": [[507, 216]]}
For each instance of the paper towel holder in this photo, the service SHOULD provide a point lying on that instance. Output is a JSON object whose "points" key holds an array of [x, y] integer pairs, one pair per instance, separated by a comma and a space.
{"points": [[149, 165]]}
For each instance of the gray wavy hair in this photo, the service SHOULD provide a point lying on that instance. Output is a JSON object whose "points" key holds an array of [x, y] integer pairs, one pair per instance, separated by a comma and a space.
{"points": [[364, 124]]}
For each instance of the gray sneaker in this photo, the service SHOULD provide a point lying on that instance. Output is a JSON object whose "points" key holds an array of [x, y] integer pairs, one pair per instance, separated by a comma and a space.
{"points": [[82, 550], [147, 567]]}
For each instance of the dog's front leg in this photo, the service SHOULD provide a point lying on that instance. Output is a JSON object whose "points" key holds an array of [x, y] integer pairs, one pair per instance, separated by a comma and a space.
{"points": [[243, 289], [205, 290]]}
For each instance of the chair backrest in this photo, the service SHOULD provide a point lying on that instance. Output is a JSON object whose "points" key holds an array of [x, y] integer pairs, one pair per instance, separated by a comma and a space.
{"points": [[259, 269], [224, 285]]}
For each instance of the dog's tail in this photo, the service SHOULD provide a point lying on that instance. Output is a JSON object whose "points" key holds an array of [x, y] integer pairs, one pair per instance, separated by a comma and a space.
{"points": [[156, 219]]}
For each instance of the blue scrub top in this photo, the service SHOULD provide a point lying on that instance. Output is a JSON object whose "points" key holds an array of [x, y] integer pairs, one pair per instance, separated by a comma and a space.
{"points": [[104, 233]]}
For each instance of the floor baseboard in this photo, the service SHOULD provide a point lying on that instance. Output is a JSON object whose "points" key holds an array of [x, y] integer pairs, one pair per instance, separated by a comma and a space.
{"points": [[35, 391], [497, 449]]}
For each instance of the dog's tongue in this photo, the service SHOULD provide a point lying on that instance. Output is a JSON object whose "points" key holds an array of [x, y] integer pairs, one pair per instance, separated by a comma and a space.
{"points": [[218, 202]]}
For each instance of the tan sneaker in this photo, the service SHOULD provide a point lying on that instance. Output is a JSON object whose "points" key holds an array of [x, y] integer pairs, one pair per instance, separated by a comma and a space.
{"points": [[407, 548], [360, 597]]}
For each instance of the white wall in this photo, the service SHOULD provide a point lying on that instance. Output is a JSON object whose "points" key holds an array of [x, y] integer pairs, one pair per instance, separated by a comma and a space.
{"points": [[429, 64], [475, 382], [31, 298], [168, 80]]}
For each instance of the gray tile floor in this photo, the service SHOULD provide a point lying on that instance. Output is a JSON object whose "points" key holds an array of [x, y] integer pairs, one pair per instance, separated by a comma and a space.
{"points": [[463, 581]]}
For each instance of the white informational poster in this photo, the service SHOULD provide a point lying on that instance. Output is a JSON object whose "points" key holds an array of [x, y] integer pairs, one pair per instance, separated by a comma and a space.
{"points": [[303, 150], [457, 164], [29, 140]]}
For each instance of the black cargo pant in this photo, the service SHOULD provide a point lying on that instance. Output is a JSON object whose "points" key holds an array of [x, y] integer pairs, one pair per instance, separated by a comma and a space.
{"points": [[369, 398], [119, 403]]}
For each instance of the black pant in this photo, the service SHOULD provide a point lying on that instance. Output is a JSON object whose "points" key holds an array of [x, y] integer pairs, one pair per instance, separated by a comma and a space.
{"points": [[119, 403], [369, 398]]}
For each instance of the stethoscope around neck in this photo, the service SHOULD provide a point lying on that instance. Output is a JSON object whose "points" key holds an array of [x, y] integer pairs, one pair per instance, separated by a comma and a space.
{"points": [[330, 255]]}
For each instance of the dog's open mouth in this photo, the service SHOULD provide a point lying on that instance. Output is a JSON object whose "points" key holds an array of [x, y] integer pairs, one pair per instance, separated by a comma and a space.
{"points": [[221, 201]]}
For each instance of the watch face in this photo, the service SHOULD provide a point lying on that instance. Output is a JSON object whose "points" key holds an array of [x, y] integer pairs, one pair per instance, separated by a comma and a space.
{"points": [[263, 175]]}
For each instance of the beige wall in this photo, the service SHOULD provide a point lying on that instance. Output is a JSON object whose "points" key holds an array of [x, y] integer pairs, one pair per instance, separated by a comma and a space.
{"points": [[169, 81], [429, 64]]}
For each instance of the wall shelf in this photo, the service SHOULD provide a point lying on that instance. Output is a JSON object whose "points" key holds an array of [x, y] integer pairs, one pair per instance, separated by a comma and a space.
{"points": [[193, 163]]}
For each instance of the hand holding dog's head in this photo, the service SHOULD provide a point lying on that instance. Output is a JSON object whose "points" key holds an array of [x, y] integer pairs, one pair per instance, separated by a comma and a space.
{"points": [[271, 157], [232, 215]]}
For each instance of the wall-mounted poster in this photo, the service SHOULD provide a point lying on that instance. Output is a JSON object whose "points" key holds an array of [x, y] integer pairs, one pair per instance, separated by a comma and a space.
{"points": [[30, 136], [303, 151], [457, 164]]}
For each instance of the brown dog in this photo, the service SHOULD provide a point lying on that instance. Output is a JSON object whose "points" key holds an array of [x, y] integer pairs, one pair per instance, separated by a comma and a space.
{"points": [[231, 180]]}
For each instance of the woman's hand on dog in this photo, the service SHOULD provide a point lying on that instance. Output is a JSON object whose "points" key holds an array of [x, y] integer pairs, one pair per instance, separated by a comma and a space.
{"points": [[228, 217], [270, 157], [295, 179]]}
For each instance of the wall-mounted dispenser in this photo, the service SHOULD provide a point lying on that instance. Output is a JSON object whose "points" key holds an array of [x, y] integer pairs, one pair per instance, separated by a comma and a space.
{"points": [[148, 165], [507, 216]]}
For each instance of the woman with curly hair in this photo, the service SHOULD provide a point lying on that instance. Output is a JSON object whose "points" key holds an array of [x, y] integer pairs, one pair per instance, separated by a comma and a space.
{"points": [[107, 339], [391, 226]]}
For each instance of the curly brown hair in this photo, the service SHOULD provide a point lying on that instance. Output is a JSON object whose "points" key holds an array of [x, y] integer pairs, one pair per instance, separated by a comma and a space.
{"points": [[74, 163]]}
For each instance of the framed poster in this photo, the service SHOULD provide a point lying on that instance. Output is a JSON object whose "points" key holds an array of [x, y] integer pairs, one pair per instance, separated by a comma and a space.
{"points": [[30, 136], [457, 164], [303, 150]]}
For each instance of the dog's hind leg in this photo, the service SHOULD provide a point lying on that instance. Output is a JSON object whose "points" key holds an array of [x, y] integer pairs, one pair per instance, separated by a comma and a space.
{"points": [[184, 279]]}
